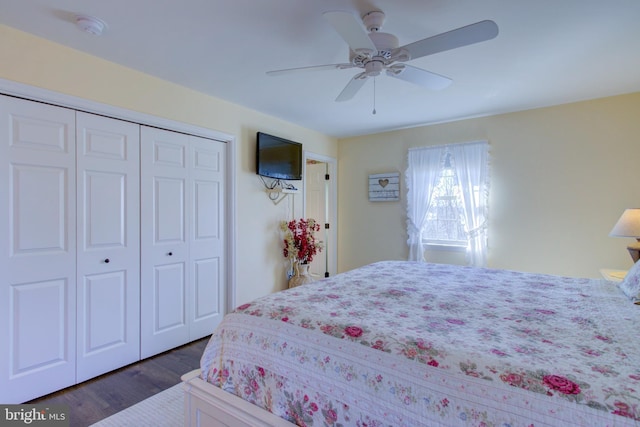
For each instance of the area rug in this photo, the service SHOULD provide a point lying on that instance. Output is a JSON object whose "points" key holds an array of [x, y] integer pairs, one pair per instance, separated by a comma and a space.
{"points": [[165, 409]]}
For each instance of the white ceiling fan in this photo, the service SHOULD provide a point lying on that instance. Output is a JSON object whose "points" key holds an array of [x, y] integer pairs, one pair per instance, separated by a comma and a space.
{"points": [[376, 51]]}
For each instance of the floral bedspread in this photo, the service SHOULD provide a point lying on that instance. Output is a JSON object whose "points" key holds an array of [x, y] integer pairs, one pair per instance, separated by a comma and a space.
{"points": [[413, 344]]}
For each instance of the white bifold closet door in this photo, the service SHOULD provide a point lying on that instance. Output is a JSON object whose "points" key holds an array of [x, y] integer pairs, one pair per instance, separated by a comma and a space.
{"points": [[108, 277], [38, 249], [111, 244], [182, 238]]}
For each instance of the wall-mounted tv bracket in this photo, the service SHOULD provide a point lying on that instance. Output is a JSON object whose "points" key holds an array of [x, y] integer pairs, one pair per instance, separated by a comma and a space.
{"points": [[277, 190]]}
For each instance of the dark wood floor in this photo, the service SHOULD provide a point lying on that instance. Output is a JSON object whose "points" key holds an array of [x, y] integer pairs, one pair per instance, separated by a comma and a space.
{"points": [[100, 397]]}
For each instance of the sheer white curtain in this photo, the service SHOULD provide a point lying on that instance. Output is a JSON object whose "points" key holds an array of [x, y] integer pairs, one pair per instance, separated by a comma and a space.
{"points": [[472, 169], [423, 172]]}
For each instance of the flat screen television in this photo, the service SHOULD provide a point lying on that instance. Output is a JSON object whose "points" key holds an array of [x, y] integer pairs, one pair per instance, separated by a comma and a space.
{"points": [[278, 158]]}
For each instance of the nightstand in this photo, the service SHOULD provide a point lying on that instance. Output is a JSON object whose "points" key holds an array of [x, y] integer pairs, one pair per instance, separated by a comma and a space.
{"points": [[613, 275]]}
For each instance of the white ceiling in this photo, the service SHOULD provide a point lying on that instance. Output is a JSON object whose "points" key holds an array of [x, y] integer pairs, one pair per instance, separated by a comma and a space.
{"points": [[547, 52]]}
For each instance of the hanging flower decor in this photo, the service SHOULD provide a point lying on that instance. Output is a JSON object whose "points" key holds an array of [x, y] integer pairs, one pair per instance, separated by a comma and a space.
{"points": [[300, 243]]}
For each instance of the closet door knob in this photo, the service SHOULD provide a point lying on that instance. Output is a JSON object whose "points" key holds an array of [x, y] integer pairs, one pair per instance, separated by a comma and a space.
{"points": [[170, 253], [106, 261]]}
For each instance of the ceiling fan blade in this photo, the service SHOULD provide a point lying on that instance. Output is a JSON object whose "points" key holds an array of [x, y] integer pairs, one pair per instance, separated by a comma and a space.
{"points": [[464, 36], [352, 87], [311, 68], [351, 31], [419, 76]]}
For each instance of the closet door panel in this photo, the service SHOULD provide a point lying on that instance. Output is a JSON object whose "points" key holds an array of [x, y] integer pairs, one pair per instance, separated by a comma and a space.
{"points": [[47, 298], [105, 297], [32, 231], [37, 249], [108, 244], [165, 250], [169, 292], [169, 210], [206, 237]]}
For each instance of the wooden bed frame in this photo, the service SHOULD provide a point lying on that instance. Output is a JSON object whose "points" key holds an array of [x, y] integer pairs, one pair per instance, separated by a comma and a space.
{"points": [[206, 405]]}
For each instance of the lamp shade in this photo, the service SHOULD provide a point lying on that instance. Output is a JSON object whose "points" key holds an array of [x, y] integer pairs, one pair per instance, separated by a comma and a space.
{"points": [[628, 225]]}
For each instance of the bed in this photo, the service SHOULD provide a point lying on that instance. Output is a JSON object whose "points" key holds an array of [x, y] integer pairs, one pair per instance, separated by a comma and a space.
{"points": [[417, 344]]}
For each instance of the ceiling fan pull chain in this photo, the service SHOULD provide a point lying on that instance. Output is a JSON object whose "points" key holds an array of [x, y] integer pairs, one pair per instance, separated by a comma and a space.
{"points": [[374, 96]]}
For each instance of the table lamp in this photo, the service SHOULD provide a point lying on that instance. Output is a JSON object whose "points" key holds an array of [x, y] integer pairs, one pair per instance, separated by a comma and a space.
{"points": [[629, 226]]}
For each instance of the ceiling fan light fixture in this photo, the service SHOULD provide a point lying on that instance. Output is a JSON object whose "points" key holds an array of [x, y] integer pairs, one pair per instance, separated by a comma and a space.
{"points": [[373, 68], [90, 24]]}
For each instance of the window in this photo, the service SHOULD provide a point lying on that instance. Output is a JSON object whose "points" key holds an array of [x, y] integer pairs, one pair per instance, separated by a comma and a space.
{"points": [[447, 199], [445, 224]]}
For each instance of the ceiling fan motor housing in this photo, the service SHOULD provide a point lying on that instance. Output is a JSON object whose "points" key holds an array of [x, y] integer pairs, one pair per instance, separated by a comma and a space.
{"points": [[385, 43]]}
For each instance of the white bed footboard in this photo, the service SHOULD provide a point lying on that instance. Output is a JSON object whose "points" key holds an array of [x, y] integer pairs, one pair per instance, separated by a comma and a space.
{"points": [[206, 405]]}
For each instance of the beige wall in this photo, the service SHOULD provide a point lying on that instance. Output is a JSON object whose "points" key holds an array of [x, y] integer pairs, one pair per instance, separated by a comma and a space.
{"points": [[560, 178], [260, 268]]}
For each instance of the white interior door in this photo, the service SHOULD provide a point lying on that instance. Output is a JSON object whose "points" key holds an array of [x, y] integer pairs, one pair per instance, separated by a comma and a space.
{"points": [[206, 236], [164, 249], [38, 249], [316, 208], [108, 198]]}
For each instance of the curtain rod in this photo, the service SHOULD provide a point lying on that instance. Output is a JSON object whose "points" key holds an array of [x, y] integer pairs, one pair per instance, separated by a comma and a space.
{"points": [[426, 147]]}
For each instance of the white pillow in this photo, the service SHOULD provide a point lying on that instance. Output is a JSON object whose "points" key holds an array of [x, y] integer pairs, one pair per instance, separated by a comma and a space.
{"points": [[631, 283]]}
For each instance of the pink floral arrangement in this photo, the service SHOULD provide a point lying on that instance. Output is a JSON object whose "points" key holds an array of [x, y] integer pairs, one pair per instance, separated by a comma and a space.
{"points": [[300, 243]]}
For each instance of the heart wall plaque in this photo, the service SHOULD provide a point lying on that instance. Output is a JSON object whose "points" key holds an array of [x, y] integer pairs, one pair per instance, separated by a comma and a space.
{"points": [[384, 187]]}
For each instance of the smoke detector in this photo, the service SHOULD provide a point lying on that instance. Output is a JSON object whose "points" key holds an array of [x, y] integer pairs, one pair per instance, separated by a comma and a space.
{"points": [[90, 25]]}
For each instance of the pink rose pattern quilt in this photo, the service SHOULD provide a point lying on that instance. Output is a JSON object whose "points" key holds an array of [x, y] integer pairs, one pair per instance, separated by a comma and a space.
{"points": [[415, 344]]}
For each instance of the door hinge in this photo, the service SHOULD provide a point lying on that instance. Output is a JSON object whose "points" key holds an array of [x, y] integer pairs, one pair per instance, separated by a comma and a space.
{"points": [[326, 226], [326, 177]]}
